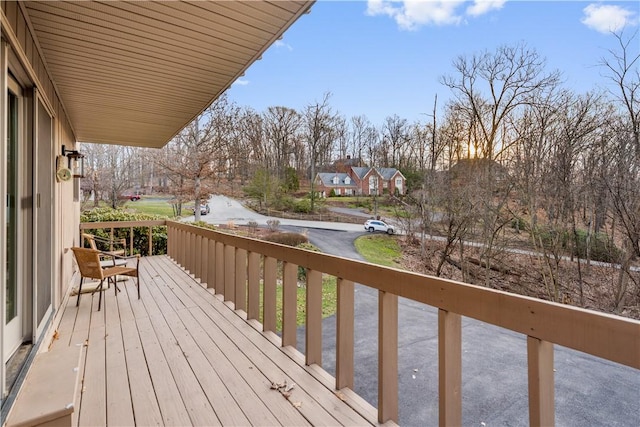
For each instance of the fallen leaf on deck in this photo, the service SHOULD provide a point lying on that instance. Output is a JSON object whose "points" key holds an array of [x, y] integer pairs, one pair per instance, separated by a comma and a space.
{"points": [[297, 404], [340, 396]]}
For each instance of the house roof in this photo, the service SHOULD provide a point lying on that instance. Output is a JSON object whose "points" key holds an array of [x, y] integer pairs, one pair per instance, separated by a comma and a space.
{"points": [[327, 179], [387, 173], [135, 73], [360, 171]]}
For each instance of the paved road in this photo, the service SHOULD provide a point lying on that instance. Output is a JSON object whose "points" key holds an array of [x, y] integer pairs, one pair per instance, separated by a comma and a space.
{"points": [[589, 391]]}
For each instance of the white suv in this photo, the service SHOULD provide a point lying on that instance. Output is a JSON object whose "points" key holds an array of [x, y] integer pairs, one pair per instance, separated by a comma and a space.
{"points": [[376, 225]]}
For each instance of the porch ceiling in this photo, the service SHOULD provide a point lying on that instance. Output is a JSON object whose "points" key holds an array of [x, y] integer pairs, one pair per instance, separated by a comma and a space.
{"points": [[135, 73]]}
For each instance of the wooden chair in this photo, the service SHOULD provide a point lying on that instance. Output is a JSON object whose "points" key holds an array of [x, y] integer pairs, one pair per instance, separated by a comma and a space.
{"points": [[90, 266], [107, 260]]}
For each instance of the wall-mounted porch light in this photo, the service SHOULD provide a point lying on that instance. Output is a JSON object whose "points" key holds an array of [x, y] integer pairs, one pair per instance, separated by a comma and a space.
{"points": [[76, 162]]}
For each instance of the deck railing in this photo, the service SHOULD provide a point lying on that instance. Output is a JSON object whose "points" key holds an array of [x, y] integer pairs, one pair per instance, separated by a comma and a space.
{"points": [[238, 267]]}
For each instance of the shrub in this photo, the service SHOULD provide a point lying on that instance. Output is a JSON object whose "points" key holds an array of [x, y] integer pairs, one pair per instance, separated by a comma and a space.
{"points": [[289, 239], [332, 193], [252, 226], [140, 234], [519, 224], [303, 206], [601, 248], [273, 224]]}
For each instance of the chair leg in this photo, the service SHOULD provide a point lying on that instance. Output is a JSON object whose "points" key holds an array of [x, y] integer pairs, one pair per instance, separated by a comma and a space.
{"points": [[79, 291], [100, 297], [138, 285]]}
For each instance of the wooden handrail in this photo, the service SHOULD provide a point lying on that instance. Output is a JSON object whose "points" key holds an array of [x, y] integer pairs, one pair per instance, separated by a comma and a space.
{"points": [[233, 265]]}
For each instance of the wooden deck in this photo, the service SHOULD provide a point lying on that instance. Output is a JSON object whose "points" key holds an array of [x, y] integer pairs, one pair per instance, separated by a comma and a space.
{"points": [[180, 356]]}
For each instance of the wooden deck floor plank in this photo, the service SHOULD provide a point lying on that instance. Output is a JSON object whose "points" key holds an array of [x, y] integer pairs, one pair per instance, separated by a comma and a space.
{"points": [[93, 411], [226, 408], [312, 396], [124, 305], [200, 410], [172, 408], [239, 365], [67, 321], [80, 332], [119, 406], [146, 410], [222, 400], [258, 413]]}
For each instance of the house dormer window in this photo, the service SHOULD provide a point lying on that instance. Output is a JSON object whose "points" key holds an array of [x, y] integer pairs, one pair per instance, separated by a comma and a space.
{"points": [[336, 180], [347, 180]]}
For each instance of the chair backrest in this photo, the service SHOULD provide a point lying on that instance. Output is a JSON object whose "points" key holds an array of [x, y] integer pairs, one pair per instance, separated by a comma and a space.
{"points": [[88, 262], [91, 240]]}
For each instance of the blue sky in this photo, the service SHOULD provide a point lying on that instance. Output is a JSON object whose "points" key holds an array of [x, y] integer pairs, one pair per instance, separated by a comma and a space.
{"points": [[381, 58]]}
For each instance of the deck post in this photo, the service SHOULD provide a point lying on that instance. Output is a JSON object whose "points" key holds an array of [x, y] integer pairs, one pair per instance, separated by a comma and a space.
{"points": [[204, 259], [387, 357], [344, 332], [269, 294], [450, 368], [313, 335], [150, 240], [541, 382], [198, 258], [289, 303], [253, 298], [219, 286], [211, 264], [229, 273], [241, 280]]}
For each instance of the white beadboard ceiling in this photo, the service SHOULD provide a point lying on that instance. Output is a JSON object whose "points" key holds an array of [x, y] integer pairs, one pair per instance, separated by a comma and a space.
{"points": [[136, 72]]}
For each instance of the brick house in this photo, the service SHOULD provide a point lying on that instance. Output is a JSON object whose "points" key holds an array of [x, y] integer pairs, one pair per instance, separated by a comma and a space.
{"points": [[361, 181]]}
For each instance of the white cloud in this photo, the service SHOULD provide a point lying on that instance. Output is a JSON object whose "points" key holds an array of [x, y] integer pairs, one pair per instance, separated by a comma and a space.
{"points": [[480, 7], [608, 18], [412, 14], [280, 43], [241, 82]]}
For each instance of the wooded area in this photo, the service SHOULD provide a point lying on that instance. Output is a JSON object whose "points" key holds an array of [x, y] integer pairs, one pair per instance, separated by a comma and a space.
{"points": [[513, 149]]}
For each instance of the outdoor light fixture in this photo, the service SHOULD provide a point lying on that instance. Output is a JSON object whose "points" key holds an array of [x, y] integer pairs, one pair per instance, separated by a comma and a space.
{"points": [[76, 162]]}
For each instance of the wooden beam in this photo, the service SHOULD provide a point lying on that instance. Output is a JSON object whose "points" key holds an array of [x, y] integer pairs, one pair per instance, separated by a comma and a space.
{"points": [[313, 335], [344, 334], [211, 265], [229, 273], [219, 286], [269, 294], [197, 255], [541, 382], [450, 368], [289, 303], [241, 280], [253, 297], [387, 357], [204, 256]]}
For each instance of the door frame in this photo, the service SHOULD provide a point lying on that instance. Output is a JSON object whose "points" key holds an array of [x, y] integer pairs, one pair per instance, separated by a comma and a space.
{"points": [[13, 332]]}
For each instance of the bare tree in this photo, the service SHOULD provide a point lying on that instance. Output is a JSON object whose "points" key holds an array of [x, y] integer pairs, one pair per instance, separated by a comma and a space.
{"points": [[319, 131], [281, 128], [198, 153], [489, 86]]}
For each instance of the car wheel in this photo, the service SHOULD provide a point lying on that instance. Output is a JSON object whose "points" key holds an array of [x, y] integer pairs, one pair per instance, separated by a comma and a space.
{"points": [[371, 229], [389, 230]]}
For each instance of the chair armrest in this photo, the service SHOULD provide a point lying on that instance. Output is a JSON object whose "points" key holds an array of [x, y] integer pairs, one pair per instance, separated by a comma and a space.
{"points": [[115, 256]]}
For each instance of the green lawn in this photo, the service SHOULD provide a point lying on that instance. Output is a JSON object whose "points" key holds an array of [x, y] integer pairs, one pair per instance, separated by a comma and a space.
{"points": [[329, 301], [153, 206], [379, 249]]}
